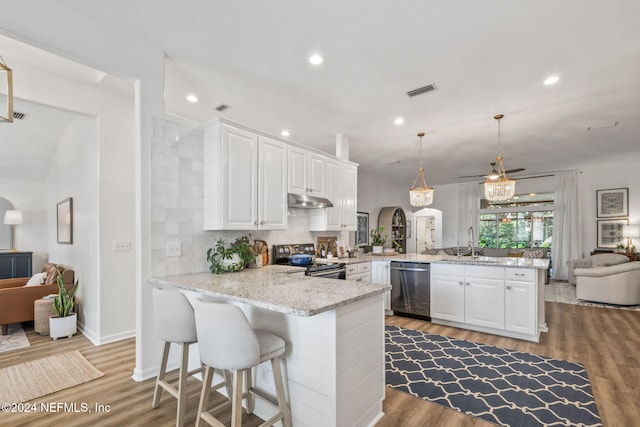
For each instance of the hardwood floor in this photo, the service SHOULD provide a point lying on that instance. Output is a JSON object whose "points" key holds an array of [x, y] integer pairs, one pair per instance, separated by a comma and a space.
{"points": [[606, 341]]}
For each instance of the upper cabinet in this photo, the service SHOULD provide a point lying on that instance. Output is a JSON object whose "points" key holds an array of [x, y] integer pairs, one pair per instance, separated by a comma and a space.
{"points": [[245, 180], [307, 172], [342, 191]]}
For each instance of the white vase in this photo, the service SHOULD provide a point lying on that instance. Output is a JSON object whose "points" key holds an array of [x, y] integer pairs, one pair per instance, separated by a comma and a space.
{"points": [[63, 326], [232, 264], [377, 249]]}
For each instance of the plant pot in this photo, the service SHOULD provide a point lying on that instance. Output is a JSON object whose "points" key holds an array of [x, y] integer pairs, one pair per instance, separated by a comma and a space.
{"points": [[377, 249], [233, 264], [63, 326]]}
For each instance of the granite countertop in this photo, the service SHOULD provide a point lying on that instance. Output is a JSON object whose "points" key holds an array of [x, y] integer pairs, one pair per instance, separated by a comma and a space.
{"points": [[273, 288], [537, 263]]}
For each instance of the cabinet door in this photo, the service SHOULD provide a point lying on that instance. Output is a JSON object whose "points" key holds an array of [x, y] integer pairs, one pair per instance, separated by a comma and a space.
{"points": [[334, 194], [240, 155], [447, 297], [520, 307], [380, 276], [316, 176], [484, 302], [272, 184], [349, 197], [298, 170]]}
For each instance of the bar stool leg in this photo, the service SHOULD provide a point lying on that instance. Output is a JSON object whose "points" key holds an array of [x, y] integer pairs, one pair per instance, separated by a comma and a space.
{"points": [[204, 395], [248, 384], [163, 370], [282, 401], [182, 384], [236, 401]]}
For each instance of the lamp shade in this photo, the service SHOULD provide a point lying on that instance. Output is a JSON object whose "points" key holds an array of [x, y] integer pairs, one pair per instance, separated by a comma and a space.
{"points": [[631, 231], [12, 217]]}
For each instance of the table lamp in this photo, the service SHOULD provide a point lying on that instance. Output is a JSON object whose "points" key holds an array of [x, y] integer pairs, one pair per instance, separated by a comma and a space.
{"points": [[13, 218], [631, 231]]}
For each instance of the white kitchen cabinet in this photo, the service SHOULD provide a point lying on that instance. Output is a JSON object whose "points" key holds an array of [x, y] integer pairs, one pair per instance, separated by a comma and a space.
{"points": [[245, 180], [498, 300], [380, 275], [342, 191], [520, 298], [307, 172], [359, 272]]}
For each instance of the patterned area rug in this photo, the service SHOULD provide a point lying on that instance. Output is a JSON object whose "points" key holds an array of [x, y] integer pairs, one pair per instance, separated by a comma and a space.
{"points": [[565, 293], [15, 339], [502, 386]]}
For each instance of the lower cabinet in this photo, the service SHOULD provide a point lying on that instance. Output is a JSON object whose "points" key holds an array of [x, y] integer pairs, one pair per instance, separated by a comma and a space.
{"points": [[359, 272], [498, 300], [380, 276]]}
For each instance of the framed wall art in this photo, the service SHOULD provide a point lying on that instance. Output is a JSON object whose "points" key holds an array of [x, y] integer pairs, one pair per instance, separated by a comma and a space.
{"points": [[612, 203], [362, 231], [65, 221], [610, 232]]}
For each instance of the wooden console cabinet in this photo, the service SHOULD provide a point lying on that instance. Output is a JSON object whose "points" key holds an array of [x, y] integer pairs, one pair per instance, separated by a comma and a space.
{"points": [[15, 264]]}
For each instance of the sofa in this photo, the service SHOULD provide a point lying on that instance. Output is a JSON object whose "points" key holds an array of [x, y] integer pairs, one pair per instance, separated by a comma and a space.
{"points": [[614, 284], [594, 261], [16, 299]]}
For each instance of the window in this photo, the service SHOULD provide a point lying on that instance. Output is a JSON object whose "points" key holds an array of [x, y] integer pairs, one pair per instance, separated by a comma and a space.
{"points": [[523, 222]]}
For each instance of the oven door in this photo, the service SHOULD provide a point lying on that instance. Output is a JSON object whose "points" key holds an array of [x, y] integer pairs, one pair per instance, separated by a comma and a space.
{"points": [[336, 273]]}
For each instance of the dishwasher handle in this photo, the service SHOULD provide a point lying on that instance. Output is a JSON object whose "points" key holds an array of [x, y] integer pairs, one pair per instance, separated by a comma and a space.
{"points": [[409, 269]]}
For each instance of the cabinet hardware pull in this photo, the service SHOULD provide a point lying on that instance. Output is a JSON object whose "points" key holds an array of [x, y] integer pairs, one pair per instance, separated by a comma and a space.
{"points": [[460, 283], [519, 274], [508, 287], [261, 222], [255, 222], [468, 284]]}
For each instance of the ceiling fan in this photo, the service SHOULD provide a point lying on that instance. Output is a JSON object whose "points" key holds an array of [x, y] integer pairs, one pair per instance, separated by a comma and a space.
{"points": [[493, 172]]}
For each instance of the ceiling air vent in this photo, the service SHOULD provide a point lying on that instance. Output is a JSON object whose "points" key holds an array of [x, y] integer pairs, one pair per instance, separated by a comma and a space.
{"points": [[421, 90], [222, 107], [20, 116]]}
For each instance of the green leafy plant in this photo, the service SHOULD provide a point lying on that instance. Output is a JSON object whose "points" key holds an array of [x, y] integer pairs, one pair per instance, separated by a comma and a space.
{"points": [[221, 256], [377, 238], [63, 303]]}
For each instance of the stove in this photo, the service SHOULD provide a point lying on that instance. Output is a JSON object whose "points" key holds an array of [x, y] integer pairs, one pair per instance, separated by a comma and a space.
{"points": [[281, 254]]}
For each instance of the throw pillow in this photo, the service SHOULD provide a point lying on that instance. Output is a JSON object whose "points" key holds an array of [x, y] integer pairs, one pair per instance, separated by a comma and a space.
{"points": [[536, 253], [37, 279], [516, 255]]}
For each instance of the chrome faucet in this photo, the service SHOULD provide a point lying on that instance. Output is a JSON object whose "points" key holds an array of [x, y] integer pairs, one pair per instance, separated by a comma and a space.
{"points": [[471, 243]]}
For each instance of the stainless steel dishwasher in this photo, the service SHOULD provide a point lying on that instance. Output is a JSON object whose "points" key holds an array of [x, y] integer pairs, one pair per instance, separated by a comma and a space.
{"points": [[410, 289]]}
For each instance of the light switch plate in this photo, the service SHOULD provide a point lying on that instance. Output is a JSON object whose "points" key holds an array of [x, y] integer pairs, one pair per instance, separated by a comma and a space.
{"points": [[121, 245], [174, 249]]}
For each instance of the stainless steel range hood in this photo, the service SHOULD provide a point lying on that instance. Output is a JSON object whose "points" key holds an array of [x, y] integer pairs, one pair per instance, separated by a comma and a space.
{"points": [[308, 202]]}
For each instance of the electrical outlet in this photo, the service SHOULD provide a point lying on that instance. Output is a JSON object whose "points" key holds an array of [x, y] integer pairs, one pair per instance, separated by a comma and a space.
{"points": [[174, 249], [121, 245]]}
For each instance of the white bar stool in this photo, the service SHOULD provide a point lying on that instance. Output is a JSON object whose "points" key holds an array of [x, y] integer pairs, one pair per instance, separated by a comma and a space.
{"points": [[227, 341], [175, 323]]}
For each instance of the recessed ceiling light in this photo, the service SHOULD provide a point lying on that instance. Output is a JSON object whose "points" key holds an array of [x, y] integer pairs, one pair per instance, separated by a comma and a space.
{"points": [[285, 133], [316, 59], [551, 80], [398, 121], [192, 98]]}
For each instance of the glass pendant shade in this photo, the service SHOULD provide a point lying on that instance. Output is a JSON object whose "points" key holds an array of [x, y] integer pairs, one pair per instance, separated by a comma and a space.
{"points": [[497, 187], [420, 193]]}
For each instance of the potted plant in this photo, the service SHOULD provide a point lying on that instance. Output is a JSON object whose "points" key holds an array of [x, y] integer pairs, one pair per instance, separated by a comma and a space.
{"points": [[65, 323], [227, 259], [378, 239]]}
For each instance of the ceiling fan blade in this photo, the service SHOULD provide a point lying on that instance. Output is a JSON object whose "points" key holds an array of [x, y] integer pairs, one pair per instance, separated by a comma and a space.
{"points": [[515, 170], [472, 176]]}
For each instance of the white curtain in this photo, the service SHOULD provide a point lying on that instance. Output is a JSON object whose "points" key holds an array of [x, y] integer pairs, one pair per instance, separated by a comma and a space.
{"points": [[567, 223], [468, 212]]}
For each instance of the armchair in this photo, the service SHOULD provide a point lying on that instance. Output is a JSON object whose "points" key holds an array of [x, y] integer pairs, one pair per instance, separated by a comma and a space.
{"points": [[16, 299], [594, 261], [616, 284]]}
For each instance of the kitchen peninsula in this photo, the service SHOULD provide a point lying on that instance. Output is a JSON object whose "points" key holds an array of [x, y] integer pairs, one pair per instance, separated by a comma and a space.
{"points": [[334, 362]]}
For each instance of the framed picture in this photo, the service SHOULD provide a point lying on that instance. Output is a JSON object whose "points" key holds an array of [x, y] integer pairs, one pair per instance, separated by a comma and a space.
{"points": [[408, 229], [362, 231], [613, 202], [610, 232], [65, 221]]}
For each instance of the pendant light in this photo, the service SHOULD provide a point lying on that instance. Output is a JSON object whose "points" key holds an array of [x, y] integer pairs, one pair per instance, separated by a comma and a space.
{"points": [[497, 186], [9, 81], [422, 195]]}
